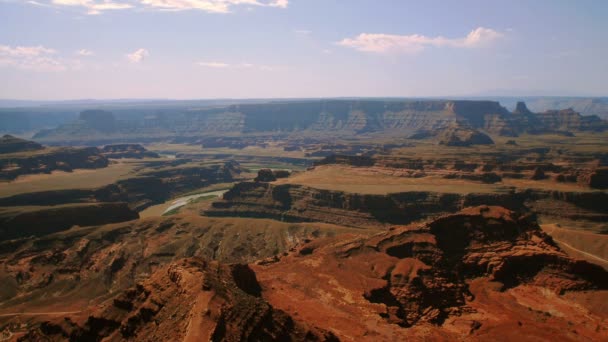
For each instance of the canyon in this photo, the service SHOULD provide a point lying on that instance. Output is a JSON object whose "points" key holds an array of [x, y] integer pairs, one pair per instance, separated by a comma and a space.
{"points": [[337, 220]]}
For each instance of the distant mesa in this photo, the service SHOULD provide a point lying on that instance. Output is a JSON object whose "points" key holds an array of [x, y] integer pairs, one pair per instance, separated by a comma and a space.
{"points": [[463, 136], [100, 120], [454, 135], [11, 144], [21, 157], [340, 118]]}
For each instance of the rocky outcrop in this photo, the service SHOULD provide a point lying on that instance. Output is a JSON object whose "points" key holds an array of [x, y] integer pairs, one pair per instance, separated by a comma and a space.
{"points": [[482, 273], [424, 277], [597, 178], [50, 159], [11, 144], [20, 222], [190, 299], [268, 175], [127, 151], [521, 109], [463, 136]]}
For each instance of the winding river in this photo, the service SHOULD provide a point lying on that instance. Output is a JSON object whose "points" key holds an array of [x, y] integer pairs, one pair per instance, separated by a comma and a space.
{"points": [[182, 201]]}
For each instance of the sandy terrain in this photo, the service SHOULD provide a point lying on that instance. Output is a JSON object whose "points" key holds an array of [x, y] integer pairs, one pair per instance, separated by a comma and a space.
{"points": [[58, 180]]}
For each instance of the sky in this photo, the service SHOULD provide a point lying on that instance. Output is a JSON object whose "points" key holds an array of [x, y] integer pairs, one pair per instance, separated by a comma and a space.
{"points": [[200, 49]]}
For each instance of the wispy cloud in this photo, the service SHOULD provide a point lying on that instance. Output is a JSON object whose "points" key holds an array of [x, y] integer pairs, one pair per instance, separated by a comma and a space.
{"points": [[94, 7], [211, 6], [85, 52], [302, 32], [36, 58], [213, 64], [223, 65], [138, 55], [388, 43]]}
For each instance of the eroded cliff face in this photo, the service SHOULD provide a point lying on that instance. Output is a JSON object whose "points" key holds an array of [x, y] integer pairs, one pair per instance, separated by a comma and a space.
{"points": [[482, 273], [139, 192], [297, 203], [26, 221], [445, 279], [589, 171], [11, 144], [189, 300], [89, 267], [50, 159], [335, 117]]}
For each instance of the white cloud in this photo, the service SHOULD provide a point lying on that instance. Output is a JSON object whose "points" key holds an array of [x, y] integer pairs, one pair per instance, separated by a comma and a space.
{"points": [[478, 37], [25, 51], [85, 52], [387, 43], [94, 6], [35, 58], [138, 55], [211, 6]]}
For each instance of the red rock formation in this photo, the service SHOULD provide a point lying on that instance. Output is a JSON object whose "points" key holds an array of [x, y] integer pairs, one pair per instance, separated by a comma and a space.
{"points": [[430, 273], [484, 273], [188, 300]]}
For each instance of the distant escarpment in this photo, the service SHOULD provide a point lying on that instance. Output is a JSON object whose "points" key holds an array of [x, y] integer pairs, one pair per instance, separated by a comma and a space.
{"points": [[325, 117], [127, 151], [45, 160], [297, 203], [139, 192]]}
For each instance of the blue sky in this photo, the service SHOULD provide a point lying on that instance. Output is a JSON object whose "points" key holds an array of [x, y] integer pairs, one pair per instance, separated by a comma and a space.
{"points": [[185, 49]]}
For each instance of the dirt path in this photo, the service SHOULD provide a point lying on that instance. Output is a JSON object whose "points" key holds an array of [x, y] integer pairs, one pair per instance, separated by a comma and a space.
{"points": [[580, 251], [568, 239]]}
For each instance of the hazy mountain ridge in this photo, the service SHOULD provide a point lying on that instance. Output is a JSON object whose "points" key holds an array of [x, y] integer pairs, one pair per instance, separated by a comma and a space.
{"points": [[336, 117]]}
